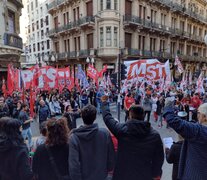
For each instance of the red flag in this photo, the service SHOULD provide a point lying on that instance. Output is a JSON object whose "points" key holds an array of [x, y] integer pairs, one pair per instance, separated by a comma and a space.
{"points": [[92, 72], [103, 71], [10, 79]]}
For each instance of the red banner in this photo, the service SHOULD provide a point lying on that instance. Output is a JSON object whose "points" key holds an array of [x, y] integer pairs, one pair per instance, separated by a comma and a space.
{"points": [[103, 71], [92, 72]]}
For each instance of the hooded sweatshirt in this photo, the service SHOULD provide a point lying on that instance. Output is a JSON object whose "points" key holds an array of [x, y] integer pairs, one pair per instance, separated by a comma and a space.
{"points": [[91, 153], [14, 161], [140, 150]]}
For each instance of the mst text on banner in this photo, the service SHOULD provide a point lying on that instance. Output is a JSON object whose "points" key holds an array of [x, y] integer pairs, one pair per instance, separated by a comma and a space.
{"points": [[150, 69]]}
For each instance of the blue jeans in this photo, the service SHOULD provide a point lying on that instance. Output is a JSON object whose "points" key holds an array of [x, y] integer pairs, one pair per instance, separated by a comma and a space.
{"points": [[27, 133]]}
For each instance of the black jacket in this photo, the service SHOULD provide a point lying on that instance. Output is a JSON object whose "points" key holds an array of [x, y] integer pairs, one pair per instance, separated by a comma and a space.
{"points": [[14, 161], [140, 150], [42, 166], [173, 157], [91, 153]]}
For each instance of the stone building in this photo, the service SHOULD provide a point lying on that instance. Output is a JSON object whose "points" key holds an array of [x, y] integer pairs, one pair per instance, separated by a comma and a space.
{"points": [[136, 29], [10, 42]]}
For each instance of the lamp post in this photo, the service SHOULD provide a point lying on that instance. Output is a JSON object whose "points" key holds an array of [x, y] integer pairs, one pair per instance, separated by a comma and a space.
{"points": [[90, 60]]}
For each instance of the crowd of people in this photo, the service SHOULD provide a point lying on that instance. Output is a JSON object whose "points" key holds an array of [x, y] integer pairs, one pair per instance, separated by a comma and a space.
{"points": [[131, 150]]}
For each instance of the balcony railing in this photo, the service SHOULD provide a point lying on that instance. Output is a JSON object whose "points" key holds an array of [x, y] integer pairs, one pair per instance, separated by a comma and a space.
{"points": [[13, 40], [72, 25], [52, 5], [84, 53]]}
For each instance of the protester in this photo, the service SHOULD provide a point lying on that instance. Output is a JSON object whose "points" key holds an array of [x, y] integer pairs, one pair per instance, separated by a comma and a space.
{"points": [[147, 106], [55, 108], [193, 159], [14, 159], [16, 110], [159, 112], [128, 101], [140, 150], [43, 135], [44, 112], [51, 159], [26, 120], [173, 156], [4, 110], [91, 151]]}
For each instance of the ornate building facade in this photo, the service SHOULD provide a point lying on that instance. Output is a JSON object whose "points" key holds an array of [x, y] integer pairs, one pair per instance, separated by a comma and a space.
{"points": [[136, 29], [10, 42]]}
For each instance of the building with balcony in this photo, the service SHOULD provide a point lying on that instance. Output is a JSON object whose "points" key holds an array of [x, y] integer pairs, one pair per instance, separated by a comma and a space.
{"points": [[135, 28], [37, 28], [10, 42]]}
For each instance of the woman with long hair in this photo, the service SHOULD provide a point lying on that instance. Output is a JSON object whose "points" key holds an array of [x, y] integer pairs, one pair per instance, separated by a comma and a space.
{"points": [[14, 155], [51, 159]]}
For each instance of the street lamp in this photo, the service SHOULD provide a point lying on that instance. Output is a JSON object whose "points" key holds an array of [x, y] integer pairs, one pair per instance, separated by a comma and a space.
{"points": [[90, 60]]}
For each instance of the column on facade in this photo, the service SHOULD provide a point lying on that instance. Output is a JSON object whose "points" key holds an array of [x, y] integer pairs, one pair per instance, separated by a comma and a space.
{"points": [[135, 7], [82, 9], [185, 48], [147, 42]]}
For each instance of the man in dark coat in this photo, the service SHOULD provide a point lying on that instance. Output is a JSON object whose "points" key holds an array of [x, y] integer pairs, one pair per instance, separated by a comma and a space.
{"points": [[91, 151], [140, 149], [193, 158], [44, 112]]}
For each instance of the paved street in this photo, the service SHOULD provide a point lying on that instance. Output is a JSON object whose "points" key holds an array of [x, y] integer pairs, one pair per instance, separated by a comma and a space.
{"points": [[167, 168]]}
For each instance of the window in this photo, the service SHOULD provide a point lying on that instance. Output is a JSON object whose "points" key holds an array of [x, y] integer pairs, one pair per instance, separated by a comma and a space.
{"points": [[36, 3], [101, 37], [32, 6], [152, 44], [115, 4], [46, 21], [153, 16], [101, 5], [38, 35], [204, 52], [37, 24], [33, 27], [108, 36], [182, 25], [64, 19], [47, 31], [108, 4], [163, 19], [11, 22], [42, 34], [173, 22], [29, 29], [65, 45], [30, 48], [41, 22], [141, 44], [115, 37], [38, 46], [48, 44], [172, 47], [162, 46], [33, 47], [43, 45], [28, 8]]}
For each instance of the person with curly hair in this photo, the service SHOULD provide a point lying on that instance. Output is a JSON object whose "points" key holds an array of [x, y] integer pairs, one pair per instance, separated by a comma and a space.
{"points": [[51, 159]]}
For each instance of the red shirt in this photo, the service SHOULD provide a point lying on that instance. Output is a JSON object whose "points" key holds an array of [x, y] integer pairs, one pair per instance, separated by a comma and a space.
{"points": [[128, 101], [196, 102]]}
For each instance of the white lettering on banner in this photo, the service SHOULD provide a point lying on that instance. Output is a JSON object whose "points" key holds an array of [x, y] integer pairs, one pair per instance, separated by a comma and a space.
{"points": [[51, 74], [139, 69], [27, 76], [150, 69]]}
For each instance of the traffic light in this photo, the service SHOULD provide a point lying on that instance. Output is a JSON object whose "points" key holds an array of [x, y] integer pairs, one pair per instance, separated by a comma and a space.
{"points": [[123, 72], [114, 78]]}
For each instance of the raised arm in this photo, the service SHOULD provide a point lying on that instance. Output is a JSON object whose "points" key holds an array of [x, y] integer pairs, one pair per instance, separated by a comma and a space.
{"points": [[114, 126], [187, 130]]}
